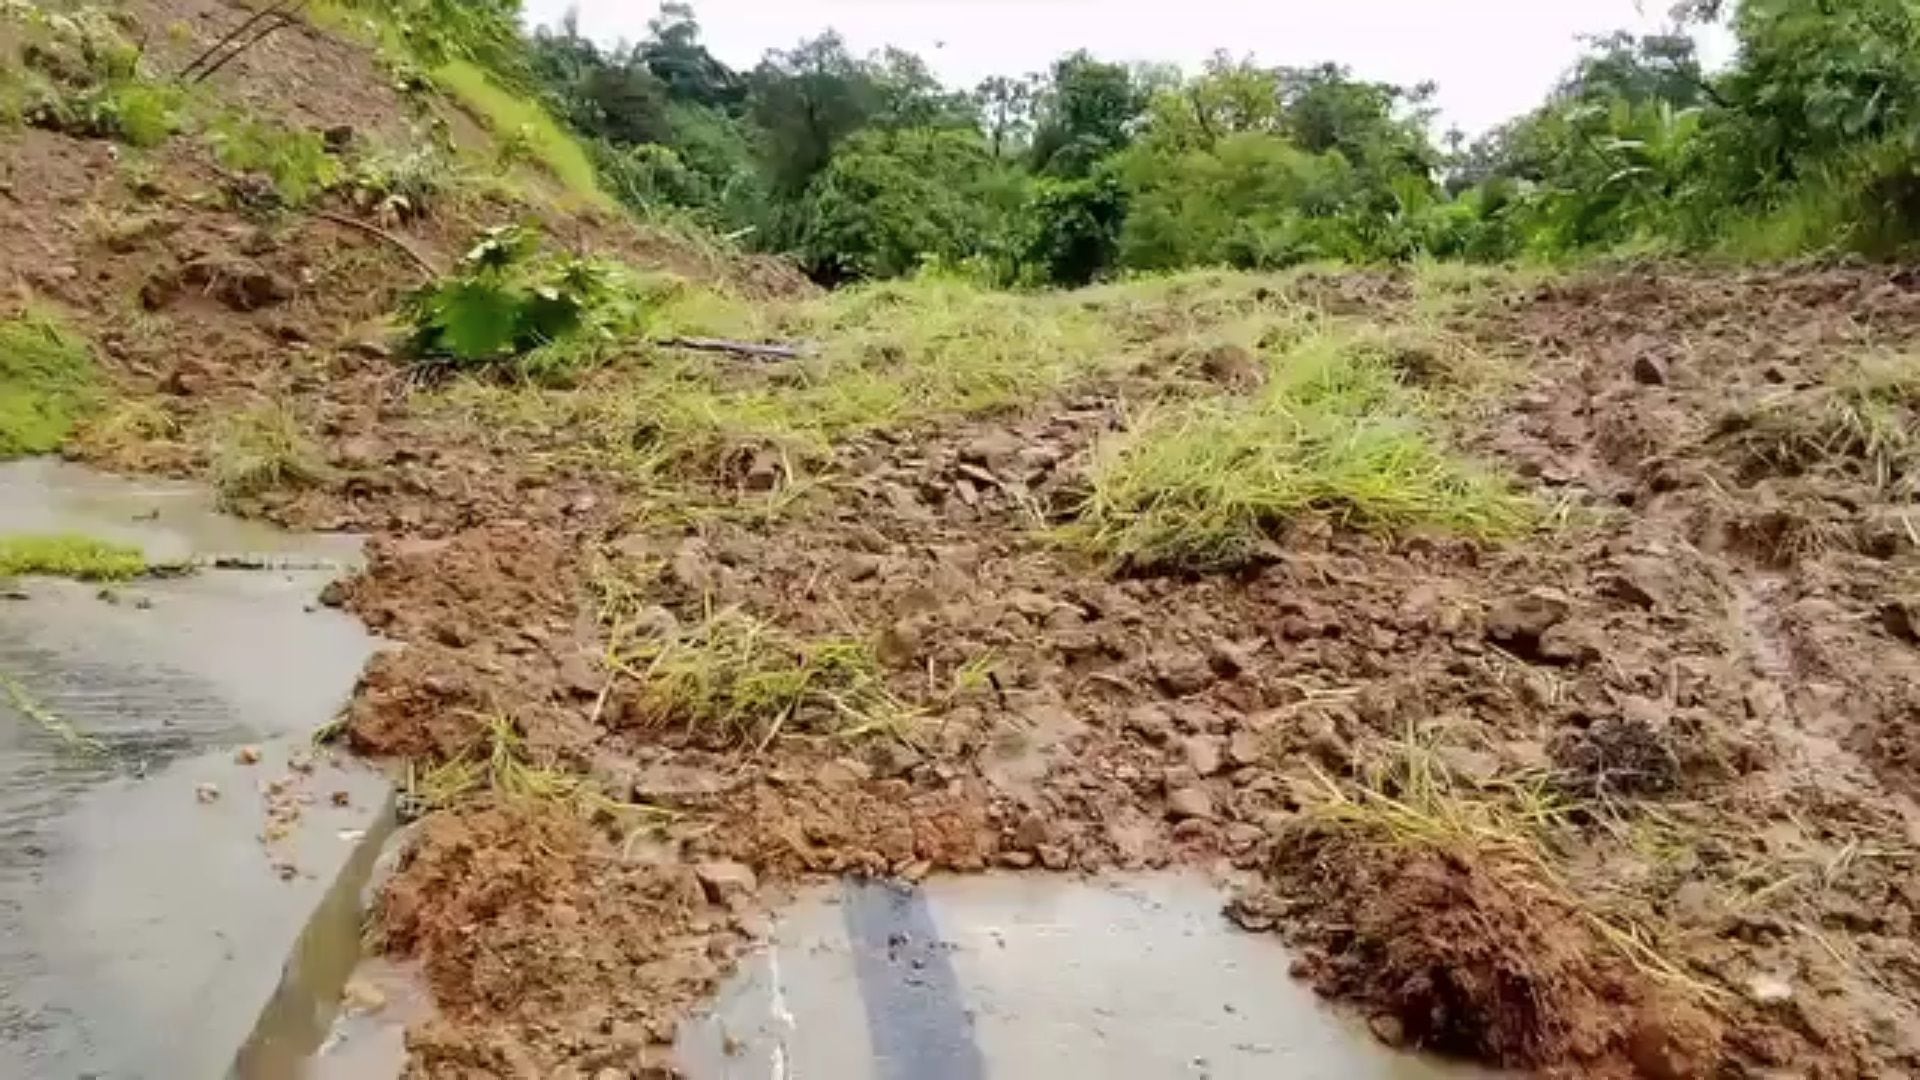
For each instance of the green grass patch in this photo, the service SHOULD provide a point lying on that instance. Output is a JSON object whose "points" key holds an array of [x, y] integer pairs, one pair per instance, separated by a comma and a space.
{"points": [[879, 356], [1335, 431], [48, 382], [71, 556], [883, 356], [519, 121]]}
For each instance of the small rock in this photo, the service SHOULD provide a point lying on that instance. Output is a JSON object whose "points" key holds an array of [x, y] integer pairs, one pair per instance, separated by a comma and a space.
{"points": [[901, 644], [1233, 366], [1769, 989], [766, 472], [207, 792], [1568, 643], [1202, 753], [1388, 1029], [1246, 747], [1901, 618], [1032, 834], [843, 773], [894, 758], [1054, 857], [1188, 803], [247, 755], [1150, 722], [1016, 860], [1229, 658], [725, 881], [1241, 836], [993, 450], [361, 996], [1521, 620], [285, 870], [1182, 671], [1649, 370], [341, 799]]}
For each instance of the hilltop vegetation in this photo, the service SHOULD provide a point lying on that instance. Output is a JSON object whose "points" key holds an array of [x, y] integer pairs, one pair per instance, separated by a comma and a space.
{"points": [[869, 167]]}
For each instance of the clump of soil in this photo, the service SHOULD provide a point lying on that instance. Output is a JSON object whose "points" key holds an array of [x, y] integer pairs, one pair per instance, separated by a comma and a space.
{"points": [[1456, 953], [524, 914]]}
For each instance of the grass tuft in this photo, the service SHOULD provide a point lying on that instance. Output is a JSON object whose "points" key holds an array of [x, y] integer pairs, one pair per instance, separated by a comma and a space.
{"points": [[1408, 799], [1200, 485], [262, 449], [742, 680], [497, 764], [48, 382], [1869, 417], [71, 556]]}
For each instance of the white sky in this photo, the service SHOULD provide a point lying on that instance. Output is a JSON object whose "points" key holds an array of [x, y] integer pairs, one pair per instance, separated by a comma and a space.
{"points": [[1492, 59]]}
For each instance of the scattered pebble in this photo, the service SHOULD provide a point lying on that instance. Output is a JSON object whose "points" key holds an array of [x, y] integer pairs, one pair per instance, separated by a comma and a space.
{"points": [[1769, 989], [248, 755], [361, 996], [207, 792], [341, 798]]}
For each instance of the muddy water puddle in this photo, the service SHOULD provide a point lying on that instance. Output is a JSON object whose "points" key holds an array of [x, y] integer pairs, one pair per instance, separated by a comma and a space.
{"points": [[1024, 976], [153, 879]]}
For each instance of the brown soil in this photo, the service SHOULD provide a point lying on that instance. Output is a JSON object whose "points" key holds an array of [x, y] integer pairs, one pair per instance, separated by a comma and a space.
{"points": [[1714, 660], [1741, 716]]}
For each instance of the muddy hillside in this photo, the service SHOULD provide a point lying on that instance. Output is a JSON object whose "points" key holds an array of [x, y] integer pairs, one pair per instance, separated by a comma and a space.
{"points": [[1539, 656]]}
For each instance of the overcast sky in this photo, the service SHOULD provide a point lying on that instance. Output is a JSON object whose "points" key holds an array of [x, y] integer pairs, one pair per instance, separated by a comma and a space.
{"points": [[1491, 58]]}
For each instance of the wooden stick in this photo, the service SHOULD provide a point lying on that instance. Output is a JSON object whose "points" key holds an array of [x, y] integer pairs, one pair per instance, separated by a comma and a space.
{"points": [[738, 348], [419, 260], [280, 10], [274, 26]]}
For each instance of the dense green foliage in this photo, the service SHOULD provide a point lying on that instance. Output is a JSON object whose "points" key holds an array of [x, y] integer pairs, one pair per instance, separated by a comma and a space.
{"points": [[867, 167]]}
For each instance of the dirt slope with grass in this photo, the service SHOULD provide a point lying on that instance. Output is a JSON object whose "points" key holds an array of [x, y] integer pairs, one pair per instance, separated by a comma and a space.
{"points": [[1538, 656], [1603, 773]]}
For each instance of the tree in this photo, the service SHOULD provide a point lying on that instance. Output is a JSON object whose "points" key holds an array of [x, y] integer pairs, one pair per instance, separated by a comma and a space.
{"points": [[1086, 114], [609, 95], [891, 199], [1006, 111], [805, 101], [674, 55]]}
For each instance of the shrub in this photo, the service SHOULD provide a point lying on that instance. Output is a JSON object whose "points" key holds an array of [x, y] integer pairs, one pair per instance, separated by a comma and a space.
{"points": [[296, 161], [507, 305]]}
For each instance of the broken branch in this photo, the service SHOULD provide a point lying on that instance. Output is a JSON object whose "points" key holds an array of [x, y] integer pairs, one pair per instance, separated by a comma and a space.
{"points": [[739, 348]]}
